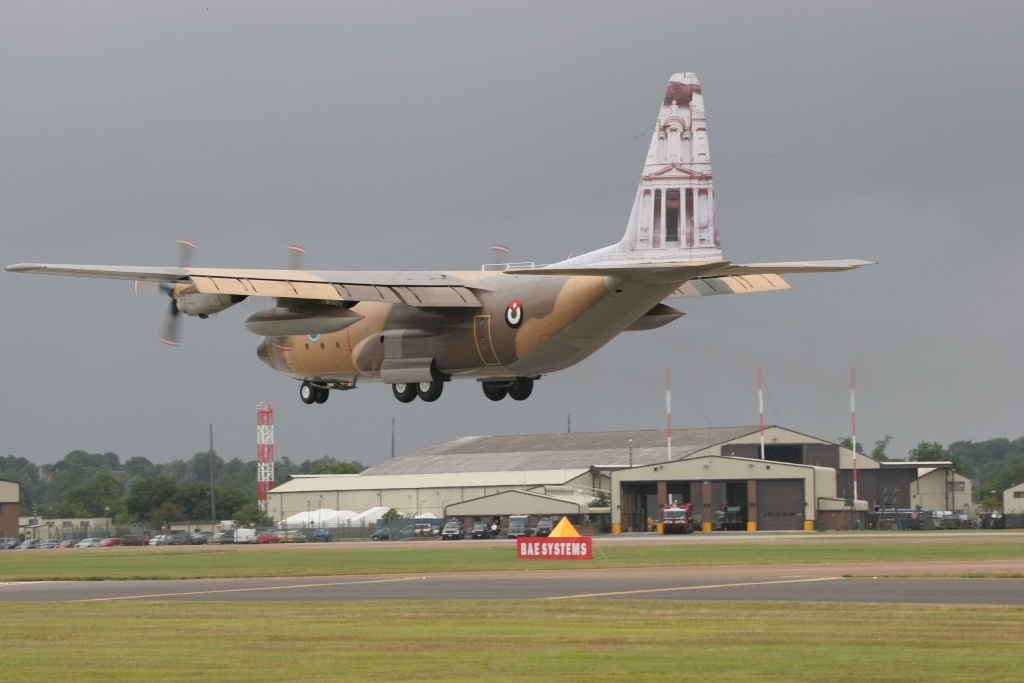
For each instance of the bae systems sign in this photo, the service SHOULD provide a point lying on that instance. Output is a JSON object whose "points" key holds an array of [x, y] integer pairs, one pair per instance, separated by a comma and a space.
{"points": [[564, 543], [579, 548]]}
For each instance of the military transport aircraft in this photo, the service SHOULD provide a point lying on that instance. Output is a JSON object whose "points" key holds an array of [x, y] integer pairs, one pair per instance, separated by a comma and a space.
{"points": [[504, 326]]}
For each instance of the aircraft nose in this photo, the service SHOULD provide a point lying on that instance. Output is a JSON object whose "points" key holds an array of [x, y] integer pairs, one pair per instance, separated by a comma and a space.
{"points": [[263, 350]]}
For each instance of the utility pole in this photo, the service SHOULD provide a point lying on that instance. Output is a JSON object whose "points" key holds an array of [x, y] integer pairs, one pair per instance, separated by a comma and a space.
{"points": [[213, 487]]}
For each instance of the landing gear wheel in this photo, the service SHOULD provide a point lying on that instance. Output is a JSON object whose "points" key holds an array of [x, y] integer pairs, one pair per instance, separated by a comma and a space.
{"points": [[308, 393], [404, 392], [521, 389], [429, 391], [495, 391], [322, 394]]}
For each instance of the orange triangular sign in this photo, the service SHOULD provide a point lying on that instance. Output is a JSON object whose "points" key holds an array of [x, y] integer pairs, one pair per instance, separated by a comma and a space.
{"points": [[564, 529]]}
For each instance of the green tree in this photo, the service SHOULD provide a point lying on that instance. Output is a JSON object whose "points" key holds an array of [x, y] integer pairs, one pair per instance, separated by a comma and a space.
{"points": [[847, 443], [391, 515], [149, 494], [98, 497], [194, 500], [168, 513], [928, 452], [336, 468], [251, 513], [230, 500], [878, 452]]}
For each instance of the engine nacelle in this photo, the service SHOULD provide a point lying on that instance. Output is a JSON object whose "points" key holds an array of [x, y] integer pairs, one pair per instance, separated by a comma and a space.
{"points": [[301, 319], [205, 305]]}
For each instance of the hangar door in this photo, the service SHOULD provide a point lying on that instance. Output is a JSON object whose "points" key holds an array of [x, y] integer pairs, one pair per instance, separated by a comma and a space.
{"points": [[781, 504]]}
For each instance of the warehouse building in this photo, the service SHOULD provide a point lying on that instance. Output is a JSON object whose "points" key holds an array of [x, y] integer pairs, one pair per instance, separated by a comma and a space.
{"points": [[801, 483], [10, 507]]}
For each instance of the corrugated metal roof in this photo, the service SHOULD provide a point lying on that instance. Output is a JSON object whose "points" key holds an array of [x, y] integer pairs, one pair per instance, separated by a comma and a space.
{"points": [[351, 482], [580, 451]]}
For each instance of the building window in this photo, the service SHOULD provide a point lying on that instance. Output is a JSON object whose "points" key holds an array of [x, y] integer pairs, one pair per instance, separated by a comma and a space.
{"points": [[1018, 494], [955, 486]]}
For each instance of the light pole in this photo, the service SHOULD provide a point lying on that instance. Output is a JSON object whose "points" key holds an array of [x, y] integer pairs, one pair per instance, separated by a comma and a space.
{"points": [[308, 503]]}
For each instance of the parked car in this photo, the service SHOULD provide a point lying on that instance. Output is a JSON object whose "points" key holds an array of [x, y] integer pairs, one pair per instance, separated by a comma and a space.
{"points": [[425, 530], [8, 543], [110, 542], [178, 538], [88, 542], [30, 544], [268, 537], [291, 536], [453, 531], [159, 539], [481, 530], [546, 525], [222, 537], [66, 544], [201, 537], [134, 539], [381, 534], [322, 535]]}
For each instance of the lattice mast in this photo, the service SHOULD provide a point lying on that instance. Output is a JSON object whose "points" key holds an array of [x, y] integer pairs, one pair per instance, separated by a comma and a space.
{"points": [[264, 452]]}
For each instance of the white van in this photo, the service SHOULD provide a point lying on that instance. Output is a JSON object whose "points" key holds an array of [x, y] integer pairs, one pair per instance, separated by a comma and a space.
{"points": [[245, 535]]}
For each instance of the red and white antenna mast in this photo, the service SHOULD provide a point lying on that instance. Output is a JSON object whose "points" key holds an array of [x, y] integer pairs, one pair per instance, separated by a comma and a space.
{"points": [[760, 408], [264, 452], [853, 426]]}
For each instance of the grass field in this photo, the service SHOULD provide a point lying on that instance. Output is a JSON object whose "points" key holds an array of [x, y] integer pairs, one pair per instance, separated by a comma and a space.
{"points": [[103, 564], [588, 641], [470, 640]]}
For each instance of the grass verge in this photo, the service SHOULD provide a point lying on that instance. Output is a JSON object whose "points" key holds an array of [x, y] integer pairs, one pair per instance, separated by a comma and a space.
{"points": [[592, 641], [396, 558]]}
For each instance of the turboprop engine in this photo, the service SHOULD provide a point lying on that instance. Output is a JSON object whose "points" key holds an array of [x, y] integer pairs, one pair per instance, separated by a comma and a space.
{"points": [[190, 302]]}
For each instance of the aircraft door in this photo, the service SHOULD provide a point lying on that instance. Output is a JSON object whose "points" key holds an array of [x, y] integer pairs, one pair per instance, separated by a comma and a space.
{"points": [[482, 338]]}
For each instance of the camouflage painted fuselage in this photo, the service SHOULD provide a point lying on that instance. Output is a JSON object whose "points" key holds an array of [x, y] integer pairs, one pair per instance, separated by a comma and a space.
{"points": [[526, 326]]}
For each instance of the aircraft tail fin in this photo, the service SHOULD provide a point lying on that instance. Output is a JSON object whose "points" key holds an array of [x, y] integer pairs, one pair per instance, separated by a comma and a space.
{"points": [[673, 217]]}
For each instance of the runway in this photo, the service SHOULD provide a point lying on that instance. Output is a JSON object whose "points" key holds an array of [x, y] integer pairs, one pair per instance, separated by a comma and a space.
{"points": [[854, 582]]}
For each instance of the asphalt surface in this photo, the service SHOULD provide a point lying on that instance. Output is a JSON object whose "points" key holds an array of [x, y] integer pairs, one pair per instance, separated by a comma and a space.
{"points": [[846, 582]]}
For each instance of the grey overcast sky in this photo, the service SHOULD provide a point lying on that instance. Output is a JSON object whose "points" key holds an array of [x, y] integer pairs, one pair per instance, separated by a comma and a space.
{"points": [[884, 131]]}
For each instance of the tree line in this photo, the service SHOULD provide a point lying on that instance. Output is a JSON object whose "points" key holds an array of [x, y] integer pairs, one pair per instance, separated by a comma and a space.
{"points": [[138, 491]]}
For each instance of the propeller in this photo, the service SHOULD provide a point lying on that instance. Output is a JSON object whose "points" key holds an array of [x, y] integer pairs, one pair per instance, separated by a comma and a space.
{"points": [[172, 329], [296, 255], [500, 253]]}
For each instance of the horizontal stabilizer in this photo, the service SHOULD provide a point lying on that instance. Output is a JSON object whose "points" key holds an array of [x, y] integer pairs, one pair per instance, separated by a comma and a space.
{"points": [[792, 267]]}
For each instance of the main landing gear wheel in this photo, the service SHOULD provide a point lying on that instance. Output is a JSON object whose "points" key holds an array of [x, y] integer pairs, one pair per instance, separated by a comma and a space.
{"points": [[429, 391], [521, 389], [404, 392], [495, 391], [310, 393]]}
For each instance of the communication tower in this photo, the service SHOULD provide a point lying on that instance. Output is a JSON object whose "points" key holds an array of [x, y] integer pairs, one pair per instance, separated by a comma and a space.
{"points": [[264, 452]]}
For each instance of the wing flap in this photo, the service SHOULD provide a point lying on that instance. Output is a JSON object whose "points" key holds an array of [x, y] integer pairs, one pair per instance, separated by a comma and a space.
{"points": [[730, 284]]}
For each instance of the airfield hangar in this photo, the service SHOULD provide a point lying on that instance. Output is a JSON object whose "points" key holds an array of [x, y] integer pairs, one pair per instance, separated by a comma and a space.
{"points": [[10, 507], [803, 483]]}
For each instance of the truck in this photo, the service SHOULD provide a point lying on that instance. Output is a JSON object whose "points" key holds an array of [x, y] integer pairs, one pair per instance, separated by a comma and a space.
{"points": [[519, 525], [677, 518]]}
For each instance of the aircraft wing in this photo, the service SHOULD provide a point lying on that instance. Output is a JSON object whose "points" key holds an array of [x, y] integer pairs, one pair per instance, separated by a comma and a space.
{"points": [[416, 288]]}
